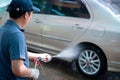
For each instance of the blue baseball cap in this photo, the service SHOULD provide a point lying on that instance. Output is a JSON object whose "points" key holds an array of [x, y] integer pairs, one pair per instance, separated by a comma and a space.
{"points": [[22, 6]]}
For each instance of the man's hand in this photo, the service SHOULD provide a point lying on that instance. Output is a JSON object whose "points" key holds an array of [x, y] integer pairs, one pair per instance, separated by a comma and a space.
{"points": [[20, 70], [45, 57], [34, 73]]}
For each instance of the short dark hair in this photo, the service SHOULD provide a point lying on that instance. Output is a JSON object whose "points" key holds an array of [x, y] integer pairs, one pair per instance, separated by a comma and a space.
{"points": [[16, 15]]}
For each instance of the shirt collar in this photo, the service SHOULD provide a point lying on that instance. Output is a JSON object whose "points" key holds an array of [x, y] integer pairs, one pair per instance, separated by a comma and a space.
{"points": [[13, 23]]}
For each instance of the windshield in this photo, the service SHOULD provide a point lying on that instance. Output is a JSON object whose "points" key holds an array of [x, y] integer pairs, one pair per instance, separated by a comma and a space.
{"points": [[4, 2], [114, 5]]}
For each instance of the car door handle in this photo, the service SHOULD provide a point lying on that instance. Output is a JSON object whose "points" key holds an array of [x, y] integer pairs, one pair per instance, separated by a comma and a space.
{"points": [[77, 26], [37, 21]]}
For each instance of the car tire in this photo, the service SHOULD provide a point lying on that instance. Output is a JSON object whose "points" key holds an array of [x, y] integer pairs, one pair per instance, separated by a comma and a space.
{"points": [[91, 62]]}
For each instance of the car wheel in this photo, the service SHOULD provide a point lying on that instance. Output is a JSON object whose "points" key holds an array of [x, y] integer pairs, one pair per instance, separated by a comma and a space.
{"points": [[91, 62]]}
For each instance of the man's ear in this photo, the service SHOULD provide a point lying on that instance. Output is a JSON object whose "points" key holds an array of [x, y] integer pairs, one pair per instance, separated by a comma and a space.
{"points": [[26, 15]]}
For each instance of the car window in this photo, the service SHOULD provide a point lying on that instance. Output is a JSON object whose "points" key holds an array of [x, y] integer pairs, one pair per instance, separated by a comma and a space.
{"points": [[114, 5], [3, 3], [2, 9], [70, 8], [41, 4]]}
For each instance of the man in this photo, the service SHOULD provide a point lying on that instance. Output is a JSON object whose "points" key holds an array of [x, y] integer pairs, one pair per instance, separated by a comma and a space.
{"points": [[14, 62]]}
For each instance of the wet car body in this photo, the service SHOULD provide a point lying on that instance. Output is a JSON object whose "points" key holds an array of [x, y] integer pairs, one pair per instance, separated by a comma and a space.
{"points": [[82, 31]]}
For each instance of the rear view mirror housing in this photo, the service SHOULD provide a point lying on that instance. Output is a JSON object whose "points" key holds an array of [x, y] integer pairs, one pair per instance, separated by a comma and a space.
{"points": [[37, 10]]}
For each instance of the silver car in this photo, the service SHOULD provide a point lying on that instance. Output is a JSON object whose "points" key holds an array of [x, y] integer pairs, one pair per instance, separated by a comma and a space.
{"points": [[83, 32]]}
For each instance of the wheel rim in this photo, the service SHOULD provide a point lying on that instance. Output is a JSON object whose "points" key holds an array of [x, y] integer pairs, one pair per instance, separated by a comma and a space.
{"points": [[89, 62]]}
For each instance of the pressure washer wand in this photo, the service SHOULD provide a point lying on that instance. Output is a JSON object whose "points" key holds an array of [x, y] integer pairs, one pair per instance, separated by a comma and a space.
{"points": [[37, 62]]}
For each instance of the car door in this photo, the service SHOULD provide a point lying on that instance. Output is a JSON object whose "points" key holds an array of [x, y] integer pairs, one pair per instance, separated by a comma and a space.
{"points": [[33, 31], [3, 15], [65, 21]]}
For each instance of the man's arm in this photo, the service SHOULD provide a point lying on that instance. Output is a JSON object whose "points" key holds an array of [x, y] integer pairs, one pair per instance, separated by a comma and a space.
{"points": [[45, 57], [32, 55], [19, 69]]}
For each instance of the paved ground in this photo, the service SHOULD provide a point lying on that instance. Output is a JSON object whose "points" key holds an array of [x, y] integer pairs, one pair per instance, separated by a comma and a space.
{"points": [[57, 70]]}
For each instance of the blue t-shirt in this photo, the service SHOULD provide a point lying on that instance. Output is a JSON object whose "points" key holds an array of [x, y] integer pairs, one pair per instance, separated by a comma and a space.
{"points": [[12, 46]]}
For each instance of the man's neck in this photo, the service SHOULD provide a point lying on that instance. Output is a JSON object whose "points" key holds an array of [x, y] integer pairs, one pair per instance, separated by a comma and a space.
{"points": [[19, 22]]}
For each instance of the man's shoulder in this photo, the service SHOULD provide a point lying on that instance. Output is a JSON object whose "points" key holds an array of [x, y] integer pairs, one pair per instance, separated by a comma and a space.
{"points": [[12, 26]]}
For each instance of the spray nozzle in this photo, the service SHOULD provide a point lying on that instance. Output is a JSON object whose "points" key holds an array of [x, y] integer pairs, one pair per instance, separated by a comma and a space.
{"points": [[39, 59]]}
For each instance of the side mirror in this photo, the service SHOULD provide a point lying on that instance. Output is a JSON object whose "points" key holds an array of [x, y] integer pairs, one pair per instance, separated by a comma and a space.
{"points": [[69, 1], [4, 3], [37, 10]]}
